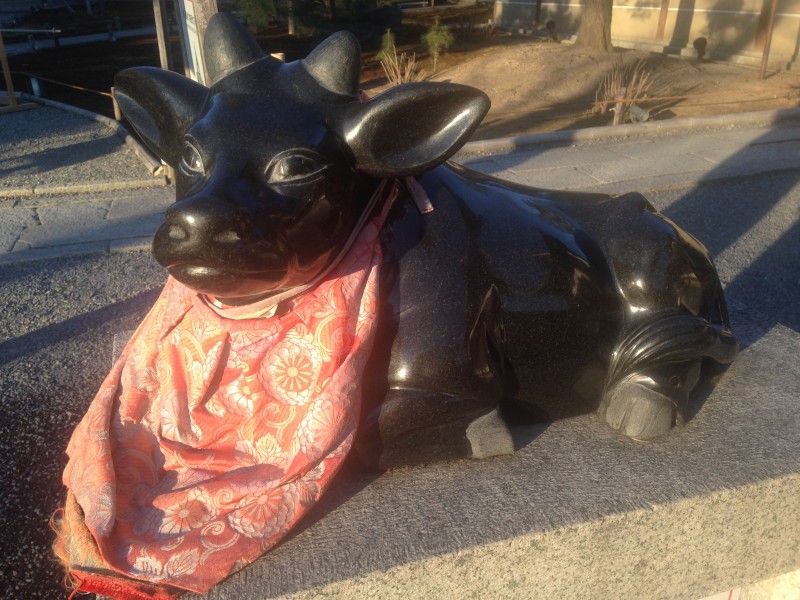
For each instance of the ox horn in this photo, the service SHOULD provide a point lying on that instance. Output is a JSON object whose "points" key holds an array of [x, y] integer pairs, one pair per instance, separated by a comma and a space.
{"points": [[336, 64], [228, 47]]}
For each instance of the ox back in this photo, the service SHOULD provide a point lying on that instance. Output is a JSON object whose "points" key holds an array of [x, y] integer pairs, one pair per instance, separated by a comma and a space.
{"points": [[517, 296]]}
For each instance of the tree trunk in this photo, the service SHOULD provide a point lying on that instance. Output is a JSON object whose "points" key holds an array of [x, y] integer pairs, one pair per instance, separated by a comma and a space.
{"points": [[595, 28]]}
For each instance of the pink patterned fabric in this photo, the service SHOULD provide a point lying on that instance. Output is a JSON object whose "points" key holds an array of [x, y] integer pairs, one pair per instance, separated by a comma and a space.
{"points": [[211, 437]]}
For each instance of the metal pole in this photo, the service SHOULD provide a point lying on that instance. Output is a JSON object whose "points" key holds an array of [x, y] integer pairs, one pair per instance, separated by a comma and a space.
{"points": [[768, 42], [180, 17], [12, 95], [193, 19], [11, 104], [203, 11], [160, 13]]}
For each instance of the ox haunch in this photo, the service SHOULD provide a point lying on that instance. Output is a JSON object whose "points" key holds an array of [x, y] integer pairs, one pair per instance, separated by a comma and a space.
{"points": [[504, 300]]}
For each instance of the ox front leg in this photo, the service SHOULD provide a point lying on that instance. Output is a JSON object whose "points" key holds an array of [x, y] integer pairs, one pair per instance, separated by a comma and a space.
{"points": [[418, 426], [441, 396]]}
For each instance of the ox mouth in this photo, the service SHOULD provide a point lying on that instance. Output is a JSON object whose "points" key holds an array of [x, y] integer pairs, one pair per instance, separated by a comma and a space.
{"points": [[226, 283]]}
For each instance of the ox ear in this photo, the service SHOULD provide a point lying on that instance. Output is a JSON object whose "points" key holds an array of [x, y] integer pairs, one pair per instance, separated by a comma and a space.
{"points": [[413, 127], [161, 106]]}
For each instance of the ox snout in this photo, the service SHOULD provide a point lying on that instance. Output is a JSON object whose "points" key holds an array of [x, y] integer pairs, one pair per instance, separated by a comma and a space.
{"points": [[188, 225], [211, 246]]}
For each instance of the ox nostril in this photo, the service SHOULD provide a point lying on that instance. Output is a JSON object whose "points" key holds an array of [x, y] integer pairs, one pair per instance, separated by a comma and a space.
{"points": [[236, 229], [177, 233]]}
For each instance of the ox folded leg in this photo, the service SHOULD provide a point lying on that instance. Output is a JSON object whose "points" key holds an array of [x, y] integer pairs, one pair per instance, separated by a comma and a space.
{"points": [[646, 405], [654, 369]]}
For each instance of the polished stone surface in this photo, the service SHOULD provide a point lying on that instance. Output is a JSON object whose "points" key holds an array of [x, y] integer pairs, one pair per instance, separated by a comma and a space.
{"points": [[525, 302]]}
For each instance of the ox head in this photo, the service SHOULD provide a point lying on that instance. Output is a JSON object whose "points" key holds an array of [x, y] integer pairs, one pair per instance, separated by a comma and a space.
{"points": [[275, 162]]}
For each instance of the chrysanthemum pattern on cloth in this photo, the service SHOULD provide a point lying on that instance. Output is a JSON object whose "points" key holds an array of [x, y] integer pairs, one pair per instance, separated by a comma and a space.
{"points": [[211, 437]]}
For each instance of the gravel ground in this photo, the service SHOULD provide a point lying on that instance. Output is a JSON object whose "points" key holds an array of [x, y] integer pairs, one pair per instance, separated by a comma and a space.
{"points": [[50, 147], [59, 318]]}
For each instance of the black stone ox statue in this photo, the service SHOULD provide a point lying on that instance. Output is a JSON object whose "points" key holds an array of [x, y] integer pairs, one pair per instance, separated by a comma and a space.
{"points": [[505, 300]]}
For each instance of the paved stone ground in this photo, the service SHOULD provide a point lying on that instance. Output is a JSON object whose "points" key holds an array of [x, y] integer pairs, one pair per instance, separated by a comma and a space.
{"points": [[65, 224], [648, 162]]}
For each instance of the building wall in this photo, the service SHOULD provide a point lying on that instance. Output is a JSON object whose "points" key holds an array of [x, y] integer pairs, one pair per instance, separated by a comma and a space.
{"points": [[732, 27]]}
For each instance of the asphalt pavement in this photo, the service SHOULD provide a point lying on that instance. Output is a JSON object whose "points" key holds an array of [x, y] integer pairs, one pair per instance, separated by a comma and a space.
{"points": [[78, 206]]}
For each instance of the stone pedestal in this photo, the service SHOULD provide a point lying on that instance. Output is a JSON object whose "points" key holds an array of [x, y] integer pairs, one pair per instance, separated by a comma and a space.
{"points": [[577, 512]]}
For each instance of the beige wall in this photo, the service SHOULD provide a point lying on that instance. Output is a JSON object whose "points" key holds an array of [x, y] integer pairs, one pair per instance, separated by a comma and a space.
{"points": [[731, 26]]}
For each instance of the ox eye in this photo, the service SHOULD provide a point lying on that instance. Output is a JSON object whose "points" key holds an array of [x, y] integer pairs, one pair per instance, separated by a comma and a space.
{"points": [[294, 167], [191, 161]]}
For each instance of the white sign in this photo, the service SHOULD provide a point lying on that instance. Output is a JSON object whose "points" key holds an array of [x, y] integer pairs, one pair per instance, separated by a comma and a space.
{"points": [[195, 67]]}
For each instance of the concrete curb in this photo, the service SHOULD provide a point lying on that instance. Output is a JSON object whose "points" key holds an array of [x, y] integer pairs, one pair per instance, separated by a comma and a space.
{"points": [[591, 134], [150, 162], [50, 252], [135, 244], [83, 188]]}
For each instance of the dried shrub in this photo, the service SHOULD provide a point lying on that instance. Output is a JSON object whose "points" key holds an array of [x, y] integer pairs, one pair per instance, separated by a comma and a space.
{"points": [[400, 68], [622, 87]]}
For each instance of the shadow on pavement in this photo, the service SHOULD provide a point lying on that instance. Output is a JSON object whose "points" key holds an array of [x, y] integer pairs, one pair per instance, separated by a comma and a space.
{"points": [[52, 158], [33, 342], [751, 226], [59, 319]]}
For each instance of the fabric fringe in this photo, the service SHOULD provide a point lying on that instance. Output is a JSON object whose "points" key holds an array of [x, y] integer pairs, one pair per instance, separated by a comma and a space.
{"points": [[61, 550], [73, 539]]}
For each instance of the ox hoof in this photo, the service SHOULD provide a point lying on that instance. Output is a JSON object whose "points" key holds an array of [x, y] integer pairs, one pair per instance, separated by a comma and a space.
{"points": [[638, 411], [489, 436]]}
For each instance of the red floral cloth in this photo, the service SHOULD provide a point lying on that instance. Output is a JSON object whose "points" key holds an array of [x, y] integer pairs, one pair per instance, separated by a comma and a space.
{"points": [[211, 436]]}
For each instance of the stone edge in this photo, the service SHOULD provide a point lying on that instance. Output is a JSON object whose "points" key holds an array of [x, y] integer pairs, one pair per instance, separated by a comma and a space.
{"points": [[591, 134], [83, 188], [136, 244], [552, 559]]}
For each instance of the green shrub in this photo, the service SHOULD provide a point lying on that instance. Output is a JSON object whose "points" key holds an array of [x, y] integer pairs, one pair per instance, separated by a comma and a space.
{"points": [[258, 13], [388, 49], [437, 40]]}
